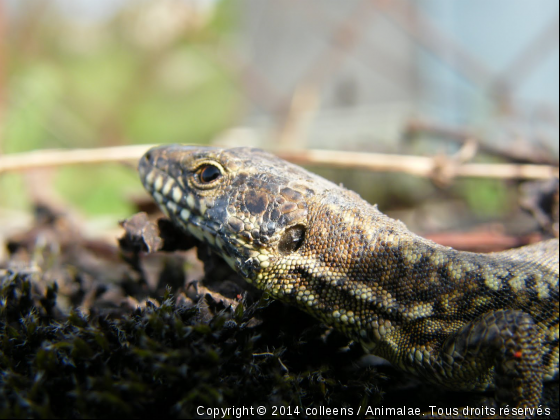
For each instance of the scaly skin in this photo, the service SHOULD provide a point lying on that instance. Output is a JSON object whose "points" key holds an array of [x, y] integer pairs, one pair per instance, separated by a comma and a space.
{"points": [[463, 320]]}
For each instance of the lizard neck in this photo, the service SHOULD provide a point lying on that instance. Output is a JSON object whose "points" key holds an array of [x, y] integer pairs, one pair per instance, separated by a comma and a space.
{"points": [[356, 260]]}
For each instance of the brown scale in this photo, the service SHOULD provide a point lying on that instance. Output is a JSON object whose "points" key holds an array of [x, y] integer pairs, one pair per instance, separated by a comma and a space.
{"points": [[465, 321]]}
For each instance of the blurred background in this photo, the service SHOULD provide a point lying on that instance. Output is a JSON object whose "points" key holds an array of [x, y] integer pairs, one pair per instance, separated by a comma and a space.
{"points": [[410, 77]]}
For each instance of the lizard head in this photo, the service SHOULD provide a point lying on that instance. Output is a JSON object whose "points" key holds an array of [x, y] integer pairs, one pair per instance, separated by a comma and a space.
{"points": [[248, 205]]}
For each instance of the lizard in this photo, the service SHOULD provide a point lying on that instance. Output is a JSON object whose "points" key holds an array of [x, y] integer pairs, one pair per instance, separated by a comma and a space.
{"points": [[466, 321]]}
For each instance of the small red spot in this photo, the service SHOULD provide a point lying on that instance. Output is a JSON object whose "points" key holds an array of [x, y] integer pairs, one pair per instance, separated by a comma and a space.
{"points": [[517, 354], [239, 296]]}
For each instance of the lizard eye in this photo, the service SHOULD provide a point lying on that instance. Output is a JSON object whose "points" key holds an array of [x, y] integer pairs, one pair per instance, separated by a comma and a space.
{"points": [[208, 173]]}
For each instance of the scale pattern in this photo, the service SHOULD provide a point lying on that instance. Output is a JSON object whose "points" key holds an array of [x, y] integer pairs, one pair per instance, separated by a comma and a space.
{"points": [[464, 320]]}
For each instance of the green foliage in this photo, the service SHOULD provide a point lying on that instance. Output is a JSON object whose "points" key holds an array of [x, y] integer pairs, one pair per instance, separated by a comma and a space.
{"points": [[81, 186], [487, 197], [11, 191], [106, 83]]}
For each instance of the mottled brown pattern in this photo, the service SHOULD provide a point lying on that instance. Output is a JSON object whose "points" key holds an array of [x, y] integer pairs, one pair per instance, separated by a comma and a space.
{"points": [[463, 320]]}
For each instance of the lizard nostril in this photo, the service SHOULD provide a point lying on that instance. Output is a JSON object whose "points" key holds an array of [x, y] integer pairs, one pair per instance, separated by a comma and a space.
{"points": [[292, 239]]}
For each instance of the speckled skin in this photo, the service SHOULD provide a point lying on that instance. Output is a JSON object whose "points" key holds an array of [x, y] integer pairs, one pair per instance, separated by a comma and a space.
{"points": [[463, 320]]}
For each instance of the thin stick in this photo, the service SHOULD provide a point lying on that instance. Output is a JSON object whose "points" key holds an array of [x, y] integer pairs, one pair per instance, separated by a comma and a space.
{"points": [[414, 165], [422, 30], [49, 158], [539, 49], [418, 165], [533, 153]]}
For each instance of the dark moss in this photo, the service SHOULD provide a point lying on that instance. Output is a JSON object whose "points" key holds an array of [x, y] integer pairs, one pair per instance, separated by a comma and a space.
{"points": [[165, 359]]}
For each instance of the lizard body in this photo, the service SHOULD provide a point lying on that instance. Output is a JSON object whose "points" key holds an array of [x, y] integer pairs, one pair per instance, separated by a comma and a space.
{"points": [[464, 320]]}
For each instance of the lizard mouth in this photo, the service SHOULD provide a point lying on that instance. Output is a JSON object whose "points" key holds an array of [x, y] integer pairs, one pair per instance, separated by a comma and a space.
{"points": [[191, 188], [178, 204], [186, 210]]}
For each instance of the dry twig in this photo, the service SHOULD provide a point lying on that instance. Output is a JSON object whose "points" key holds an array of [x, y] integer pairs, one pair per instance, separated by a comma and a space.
{"points": [[50, 158], [418, 165], [528, 153], [377, 162]]}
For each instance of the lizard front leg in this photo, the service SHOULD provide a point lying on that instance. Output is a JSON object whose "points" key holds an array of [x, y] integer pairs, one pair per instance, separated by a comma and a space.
{"points": [[508, 340]]}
